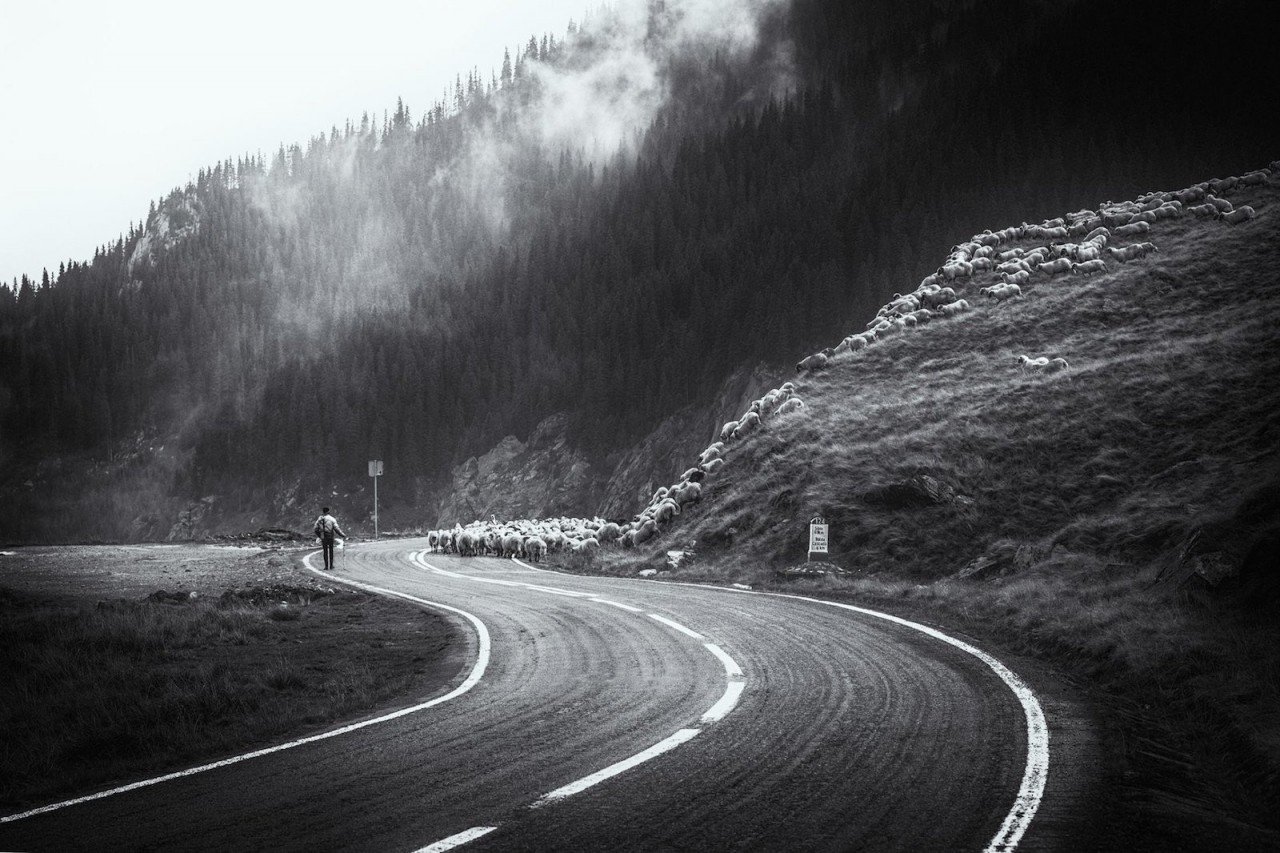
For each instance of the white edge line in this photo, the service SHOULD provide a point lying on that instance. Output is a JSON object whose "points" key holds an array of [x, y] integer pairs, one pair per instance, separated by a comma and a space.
{"points": [[682, 629], [721, 709], [1036, 774], [666, 745], [477, 671], [731, 667], [558, 591], [458, 840]]}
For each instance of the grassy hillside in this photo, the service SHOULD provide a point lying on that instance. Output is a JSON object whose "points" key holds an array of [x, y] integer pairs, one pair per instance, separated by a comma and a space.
{"points": [[1121, 518]]}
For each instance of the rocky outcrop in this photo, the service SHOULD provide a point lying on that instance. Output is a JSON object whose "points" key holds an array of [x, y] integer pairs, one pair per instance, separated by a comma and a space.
{"points": [[673, 446], [543, 478]]}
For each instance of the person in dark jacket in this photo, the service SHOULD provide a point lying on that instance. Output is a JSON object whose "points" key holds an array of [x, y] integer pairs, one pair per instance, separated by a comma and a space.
{"points": [[327, 529]]}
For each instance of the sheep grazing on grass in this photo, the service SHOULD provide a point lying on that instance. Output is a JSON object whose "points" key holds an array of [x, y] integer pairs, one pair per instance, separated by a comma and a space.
{"points": [[1133, 229], [1041, 364], [1015, 279], [1055, 266], [952, 309], [713, 451], [817, 361], [1219, 204], [745, 426], [711, 466], [1203, 211], [795, 404], [1222, 185], [535, 549], [727, 430], [1257, 178], [1001, 292], [1133, 252], [1089, 267], [1243, 213]]}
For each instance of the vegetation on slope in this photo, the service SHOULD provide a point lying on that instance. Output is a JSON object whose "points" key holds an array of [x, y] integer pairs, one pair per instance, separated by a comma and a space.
{"points": [[1121, 519], [417, 289]]}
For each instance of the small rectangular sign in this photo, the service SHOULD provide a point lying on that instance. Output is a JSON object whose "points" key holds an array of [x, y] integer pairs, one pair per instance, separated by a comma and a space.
{"points": [[817, 538], [375, 467]]}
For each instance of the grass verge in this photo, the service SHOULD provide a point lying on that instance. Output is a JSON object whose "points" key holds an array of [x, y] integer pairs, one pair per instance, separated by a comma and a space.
{"points": [[98, 694]]}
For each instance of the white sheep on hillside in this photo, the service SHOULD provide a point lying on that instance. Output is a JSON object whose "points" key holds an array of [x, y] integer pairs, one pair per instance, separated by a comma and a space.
{"points": [[1055, 266], [1243, 213], [1219, 204], [713, 451], [1203, 211], [711, 466], [1223, 185], [1133, 229], [745, 426], [952, 309], [1041, 364], [817, 361], [1255, 178], [1132, 252], [1001, 292], [1018, 278], [1089, 267], [795, 404]]}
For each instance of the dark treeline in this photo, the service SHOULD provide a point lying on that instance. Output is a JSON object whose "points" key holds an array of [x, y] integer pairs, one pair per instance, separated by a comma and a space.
{"points": [[415, 290]]}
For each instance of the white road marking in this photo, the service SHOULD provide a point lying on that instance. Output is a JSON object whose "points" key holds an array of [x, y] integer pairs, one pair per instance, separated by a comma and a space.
{"points": [[731, 667], [728, 701], [457, 840], [477, 671], [676, 625], [1036, 773], [682, 736], [618, 604], [558, 591]]}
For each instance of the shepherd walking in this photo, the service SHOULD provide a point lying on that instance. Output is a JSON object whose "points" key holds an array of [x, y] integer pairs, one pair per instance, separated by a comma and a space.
{"points": [[327, 529]]}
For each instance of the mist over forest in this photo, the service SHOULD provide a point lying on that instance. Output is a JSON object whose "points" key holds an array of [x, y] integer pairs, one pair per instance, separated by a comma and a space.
{"points": [[607, 226]]}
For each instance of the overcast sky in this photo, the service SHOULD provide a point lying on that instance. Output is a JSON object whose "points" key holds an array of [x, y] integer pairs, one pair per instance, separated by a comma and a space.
{"points": [[110, 105]]}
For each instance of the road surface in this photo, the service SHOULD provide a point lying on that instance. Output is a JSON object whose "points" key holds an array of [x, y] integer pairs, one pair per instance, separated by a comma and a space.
{"points": [[606, 714]]}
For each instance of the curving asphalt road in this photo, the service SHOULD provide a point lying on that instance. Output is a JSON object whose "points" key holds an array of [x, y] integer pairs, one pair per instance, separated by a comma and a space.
{"points": [[604, 714]]}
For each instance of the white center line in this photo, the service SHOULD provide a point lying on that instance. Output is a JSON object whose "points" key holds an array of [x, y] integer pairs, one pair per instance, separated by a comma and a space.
{"points": [[666, 745], [457, 840], [676, 625]]}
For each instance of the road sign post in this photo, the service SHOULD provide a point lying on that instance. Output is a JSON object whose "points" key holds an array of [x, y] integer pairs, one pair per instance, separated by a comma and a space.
{"points": [[817, 536], [375, 471]]}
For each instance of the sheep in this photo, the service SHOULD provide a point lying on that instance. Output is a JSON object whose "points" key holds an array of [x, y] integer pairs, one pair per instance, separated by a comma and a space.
{"points": [[687, 494], [1015, 267], [1129, 253], [795, 404], [535, 549], [693, 475], [982, 265], [1190, 195], [1132, 229], [1168, 211], [1001, 292], [1256, 178], [960, 269], [951, 309], [1243, 213], [1016, 279], [586, 546], [1219, 204], [817, 361], [1027, 363], [1088, 253], [1089, 267], [713, 451], [934, 298], [748, 423], [727, 430], [1203, 211], [1100, 231], [1222, 185], [666, 511], [712, 465], [609, 532], [1056, 266], [1056, 364], [646, 531]]}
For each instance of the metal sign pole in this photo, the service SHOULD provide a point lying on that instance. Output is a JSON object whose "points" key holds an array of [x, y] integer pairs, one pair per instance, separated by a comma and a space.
{"points": [[375, 471]]}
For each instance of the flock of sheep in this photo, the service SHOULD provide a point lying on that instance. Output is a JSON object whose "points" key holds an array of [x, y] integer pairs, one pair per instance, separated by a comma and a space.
{"points": [[1079, 243]]}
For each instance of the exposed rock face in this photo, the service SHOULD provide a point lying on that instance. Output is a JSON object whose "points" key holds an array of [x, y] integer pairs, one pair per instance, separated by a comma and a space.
{"points": [[543, 478], [547, 477], [664, 454]]}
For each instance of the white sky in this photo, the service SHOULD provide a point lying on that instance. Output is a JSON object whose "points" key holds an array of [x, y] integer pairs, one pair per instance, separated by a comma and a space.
{"points": [[110, 104]]}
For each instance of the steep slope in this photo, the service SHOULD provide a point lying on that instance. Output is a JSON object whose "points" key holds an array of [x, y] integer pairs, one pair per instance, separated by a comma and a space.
{"points": [[1120, 518]]}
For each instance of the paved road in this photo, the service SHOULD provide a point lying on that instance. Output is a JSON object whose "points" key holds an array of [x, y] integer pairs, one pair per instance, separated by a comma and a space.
{"points": [[733, 721]]}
